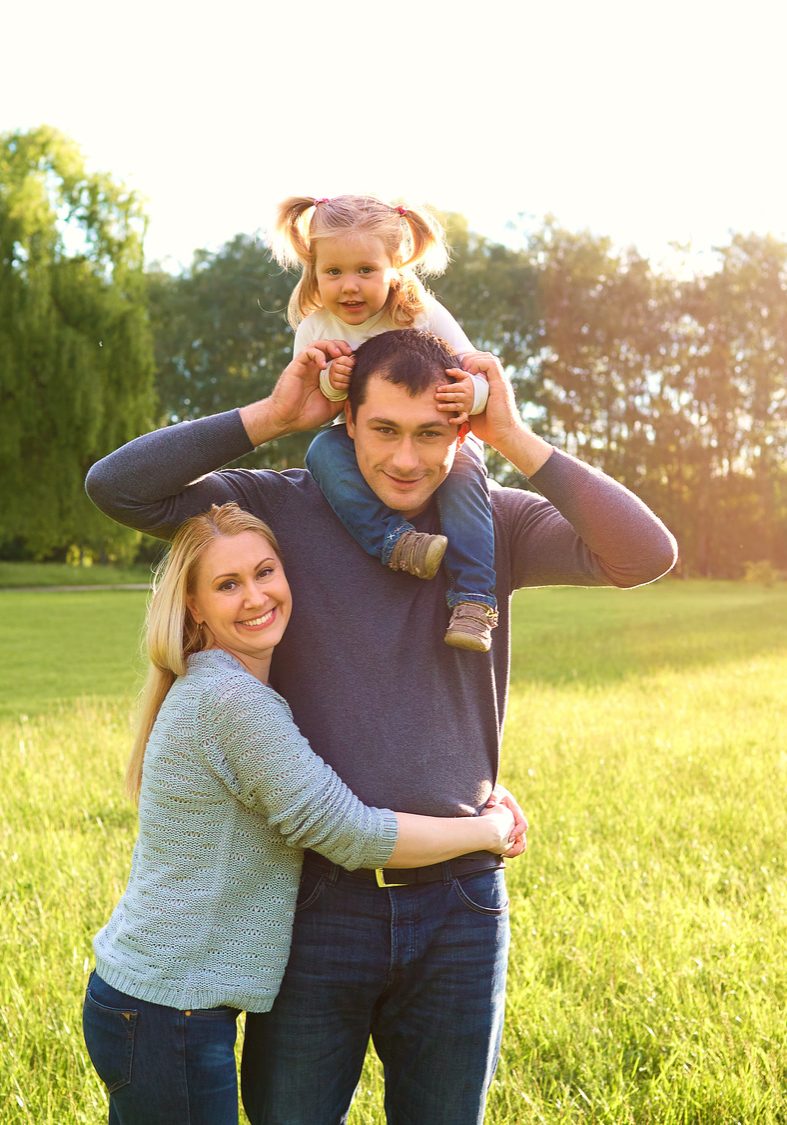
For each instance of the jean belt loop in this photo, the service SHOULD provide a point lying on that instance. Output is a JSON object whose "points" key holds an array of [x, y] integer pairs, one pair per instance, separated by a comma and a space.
{"points": [[448, 876]]}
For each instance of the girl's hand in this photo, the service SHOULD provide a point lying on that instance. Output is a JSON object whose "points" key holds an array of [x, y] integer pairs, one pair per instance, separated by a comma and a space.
{"points": [[340, 372], [456, 398]]}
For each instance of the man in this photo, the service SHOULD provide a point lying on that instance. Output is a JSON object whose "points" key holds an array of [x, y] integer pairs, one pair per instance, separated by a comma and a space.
{"points": [[408, 722]]}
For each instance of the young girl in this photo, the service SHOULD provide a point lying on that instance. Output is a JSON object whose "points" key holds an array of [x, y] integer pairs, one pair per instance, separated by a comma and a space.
{"points": [[229, 794], [359, 257]]}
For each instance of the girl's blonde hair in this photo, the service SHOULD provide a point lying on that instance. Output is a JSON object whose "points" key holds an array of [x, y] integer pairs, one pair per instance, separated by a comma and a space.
{"points": [[171, 634], [413, 239]]}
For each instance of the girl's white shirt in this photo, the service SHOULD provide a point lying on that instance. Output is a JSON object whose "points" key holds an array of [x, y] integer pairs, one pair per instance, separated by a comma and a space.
{"points": [[322, 325]]}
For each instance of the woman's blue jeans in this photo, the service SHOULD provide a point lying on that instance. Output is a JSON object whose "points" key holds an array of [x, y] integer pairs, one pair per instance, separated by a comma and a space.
{"points": [[421, 969], [161, 1066], [462, 502]]}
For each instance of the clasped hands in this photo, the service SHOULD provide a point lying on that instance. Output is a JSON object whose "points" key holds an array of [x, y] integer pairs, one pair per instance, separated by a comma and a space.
{"points": [[518, 836]]}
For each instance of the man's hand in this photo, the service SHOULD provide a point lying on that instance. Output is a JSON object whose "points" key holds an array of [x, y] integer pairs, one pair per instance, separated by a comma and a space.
{"points": [[501, 420], [501, 424], [296, 402], [501, 796]]}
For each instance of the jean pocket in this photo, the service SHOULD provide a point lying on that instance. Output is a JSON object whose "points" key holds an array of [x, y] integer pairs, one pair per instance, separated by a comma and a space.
{"points": [[311, 888], [109, 1036], [485, 892], [224, 1013]]}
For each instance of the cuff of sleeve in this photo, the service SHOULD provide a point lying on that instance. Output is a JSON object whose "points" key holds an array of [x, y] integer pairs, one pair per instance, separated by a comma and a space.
{"points": [[480, 394], [379, 850], [328, 390]]}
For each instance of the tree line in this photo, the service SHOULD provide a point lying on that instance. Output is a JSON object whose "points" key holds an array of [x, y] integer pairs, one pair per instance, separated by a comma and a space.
{"points": [[676, 387]]}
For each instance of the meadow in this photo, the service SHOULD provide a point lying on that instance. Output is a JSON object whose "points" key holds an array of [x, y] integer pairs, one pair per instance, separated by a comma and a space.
{"points": [[645, 738]]}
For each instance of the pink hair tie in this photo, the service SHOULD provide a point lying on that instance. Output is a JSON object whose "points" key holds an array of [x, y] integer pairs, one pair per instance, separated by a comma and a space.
{"points": [[325, 199], [402, 210]]}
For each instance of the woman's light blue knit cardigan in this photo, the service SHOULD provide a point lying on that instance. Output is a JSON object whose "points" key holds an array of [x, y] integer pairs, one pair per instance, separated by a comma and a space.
{"points": [[231, 793]]}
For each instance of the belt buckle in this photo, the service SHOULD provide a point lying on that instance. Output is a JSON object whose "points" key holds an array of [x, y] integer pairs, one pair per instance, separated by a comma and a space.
{"points": [[379, 874]]}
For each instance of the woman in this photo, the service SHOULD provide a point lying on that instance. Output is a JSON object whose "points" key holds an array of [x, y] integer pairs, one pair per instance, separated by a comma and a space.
{"points": [[230, 794]]}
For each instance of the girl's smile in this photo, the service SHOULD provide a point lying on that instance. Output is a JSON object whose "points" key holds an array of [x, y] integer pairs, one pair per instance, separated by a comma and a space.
{"points": [[354, 275]]}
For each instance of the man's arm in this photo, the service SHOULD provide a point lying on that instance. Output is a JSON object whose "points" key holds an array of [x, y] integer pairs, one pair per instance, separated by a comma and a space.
{"points": [[160, 479], [592, 531], [296, 402], [501, 425]]}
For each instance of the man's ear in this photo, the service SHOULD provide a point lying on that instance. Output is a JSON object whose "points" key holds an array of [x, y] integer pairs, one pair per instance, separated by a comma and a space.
{"points": [[348, 418]]}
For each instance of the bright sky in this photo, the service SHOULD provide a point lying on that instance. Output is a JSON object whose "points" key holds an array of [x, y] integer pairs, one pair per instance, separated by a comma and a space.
{"points": [[652, 123]]}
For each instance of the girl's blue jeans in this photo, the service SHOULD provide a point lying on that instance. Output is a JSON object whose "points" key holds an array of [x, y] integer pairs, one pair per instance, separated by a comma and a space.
{"points": [[462, 502], [161, 1066]]}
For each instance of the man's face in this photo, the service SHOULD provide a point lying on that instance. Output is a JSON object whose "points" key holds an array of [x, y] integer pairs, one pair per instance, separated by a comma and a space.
{"points": [[404, 445]]}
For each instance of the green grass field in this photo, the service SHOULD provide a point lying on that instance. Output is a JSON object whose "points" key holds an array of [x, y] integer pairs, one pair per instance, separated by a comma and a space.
{"points": [[646, 740], [22, 574]]}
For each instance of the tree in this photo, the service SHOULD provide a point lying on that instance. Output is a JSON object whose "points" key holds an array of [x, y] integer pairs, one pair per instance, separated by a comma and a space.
{"points": [[727, 383], [222, 338], [76, 359]]}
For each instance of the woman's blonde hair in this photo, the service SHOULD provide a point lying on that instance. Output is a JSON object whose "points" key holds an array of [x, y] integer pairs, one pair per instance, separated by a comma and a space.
{"points": [[171, 634], [413, 239]]}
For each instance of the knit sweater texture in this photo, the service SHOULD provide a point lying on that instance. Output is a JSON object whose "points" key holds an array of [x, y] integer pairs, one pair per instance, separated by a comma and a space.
{"points": [[231, 794]]}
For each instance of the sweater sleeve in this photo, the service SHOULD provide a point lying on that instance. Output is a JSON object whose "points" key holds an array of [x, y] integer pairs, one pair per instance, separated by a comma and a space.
{"points": [[261, 756], [306, 333], [584, 530], [158, 480], [440, 321]]}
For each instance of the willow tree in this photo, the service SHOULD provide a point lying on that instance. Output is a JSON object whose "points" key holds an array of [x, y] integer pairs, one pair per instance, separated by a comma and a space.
{"points": [[222, 338], [76, 359]]}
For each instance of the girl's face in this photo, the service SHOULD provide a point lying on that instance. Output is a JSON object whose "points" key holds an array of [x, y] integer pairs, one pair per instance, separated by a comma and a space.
{"points": [[242, 596], [354, 275]]}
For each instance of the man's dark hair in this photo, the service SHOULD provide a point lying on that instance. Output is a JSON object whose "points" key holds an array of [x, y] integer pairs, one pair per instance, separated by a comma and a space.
{"points": [[410, 357]]}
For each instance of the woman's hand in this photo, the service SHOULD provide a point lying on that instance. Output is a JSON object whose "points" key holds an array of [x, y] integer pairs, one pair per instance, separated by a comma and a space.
{"points": [[501, 798], [499, 820]]}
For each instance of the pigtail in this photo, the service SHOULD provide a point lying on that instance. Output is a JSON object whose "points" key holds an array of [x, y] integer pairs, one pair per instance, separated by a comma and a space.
{"points": [[290, 241], [423, 249], [429, 254], [291, 247]]}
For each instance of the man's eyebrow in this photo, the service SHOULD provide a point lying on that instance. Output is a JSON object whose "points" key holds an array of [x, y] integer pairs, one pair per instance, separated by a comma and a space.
{"points": [[438, 423]]}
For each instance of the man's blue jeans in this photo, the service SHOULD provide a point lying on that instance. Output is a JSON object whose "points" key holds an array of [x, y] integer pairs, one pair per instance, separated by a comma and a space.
{"points": [[462, 502], [161, 1066], [421, 969]]}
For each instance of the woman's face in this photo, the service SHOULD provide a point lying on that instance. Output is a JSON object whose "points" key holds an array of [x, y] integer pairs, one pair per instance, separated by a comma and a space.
{"points": [[242, 596]]}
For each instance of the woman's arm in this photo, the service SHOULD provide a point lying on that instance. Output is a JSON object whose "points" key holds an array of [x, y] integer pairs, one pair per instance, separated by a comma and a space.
{"points": [[432, 839], [266, 763]]}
